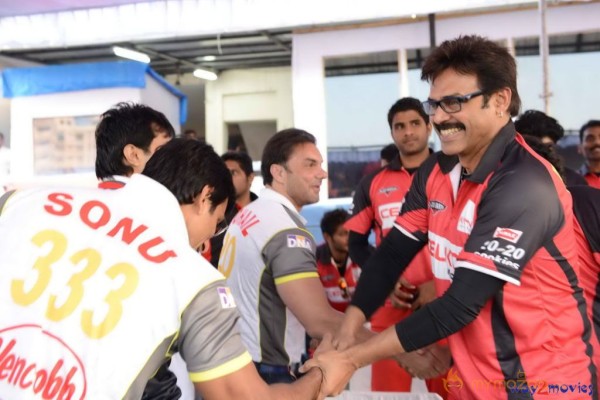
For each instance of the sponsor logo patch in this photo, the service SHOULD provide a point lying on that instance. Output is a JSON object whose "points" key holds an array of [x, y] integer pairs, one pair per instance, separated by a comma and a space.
{"points": [[298, 241], [437, 206], [389, 212], [226, 297], [388, 190], [53, 374], [512, 235], [467, 218]]}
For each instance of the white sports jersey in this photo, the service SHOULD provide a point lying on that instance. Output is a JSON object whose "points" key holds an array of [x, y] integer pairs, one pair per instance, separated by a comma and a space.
{"points": [[97, 287], [267, 244]]}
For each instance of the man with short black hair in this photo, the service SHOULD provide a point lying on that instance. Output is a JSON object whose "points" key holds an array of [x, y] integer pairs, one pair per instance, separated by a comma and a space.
{"points": [[338, 273], [269, 259], [242, 174], [376, 204], [126, 137], [498, 223], [148, 294], [549, 131], [589, 137]]}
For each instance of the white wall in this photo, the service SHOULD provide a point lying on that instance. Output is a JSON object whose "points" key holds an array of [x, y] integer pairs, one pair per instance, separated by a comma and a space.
{"points": [[9, 62], [156, 96], [25, 109], [260, 94]]}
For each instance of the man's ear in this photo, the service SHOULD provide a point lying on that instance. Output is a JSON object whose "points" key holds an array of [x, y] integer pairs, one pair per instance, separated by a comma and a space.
{"points": [[133, 155], [277, 171], [203, 200], [502, 100]]}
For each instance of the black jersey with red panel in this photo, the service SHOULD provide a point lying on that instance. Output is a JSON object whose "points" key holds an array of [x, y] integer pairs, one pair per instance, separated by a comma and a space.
{"points": [[586, 205], [511, 218]]}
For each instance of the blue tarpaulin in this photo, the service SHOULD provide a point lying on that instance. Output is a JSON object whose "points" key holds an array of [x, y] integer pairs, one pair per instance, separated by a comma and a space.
{"points": [[31, 81]]}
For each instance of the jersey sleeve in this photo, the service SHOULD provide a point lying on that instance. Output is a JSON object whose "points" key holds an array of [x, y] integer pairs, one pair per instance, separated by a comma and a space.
{"points": [[586, 205], [413, 220], [362, 217], [290, 255], [210, 342], [517, 215]]}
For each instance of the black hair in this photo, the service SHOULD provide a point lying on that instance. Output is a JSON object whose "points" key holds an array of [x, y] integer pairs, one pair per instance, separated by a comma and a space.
{"points": [[548, 152], [592, 123], [186, 166], [536, 123], [407, 104], [389, 153], [126, 123], [491, 63], [332, 220], [279, 149], [243, 160]]}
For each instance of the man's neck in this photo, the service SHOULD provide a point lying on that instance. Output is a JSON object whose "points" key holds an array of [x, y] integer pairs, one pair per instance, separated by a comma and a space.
{"points": [[414, 160], [594, 166], [243, 200], [338, 256]]}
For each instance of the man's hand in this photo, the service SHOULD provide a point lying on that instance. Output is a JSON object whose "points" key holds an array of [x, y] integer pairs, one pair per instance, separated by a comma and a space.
{"points": [[350, 330], [336, 366], [426, 363], [426, 294], [408, 296], [404, 294]]}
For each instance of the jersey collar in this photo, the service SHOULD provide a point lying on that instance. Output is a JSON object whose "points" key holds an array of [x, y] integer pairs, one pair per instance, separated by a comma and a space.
{"points": [[271, 194], [490, 159]]}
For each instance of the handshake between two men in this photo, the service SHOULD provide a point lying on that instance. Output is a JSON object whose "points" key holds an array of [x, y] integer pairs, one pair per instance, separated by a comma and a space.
{"points": [[340, 355]]}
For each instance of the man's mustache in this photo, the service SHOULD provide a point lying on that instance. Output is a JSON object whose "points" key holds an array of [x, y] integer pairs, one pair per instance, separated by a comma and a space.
{"points": [[441, 127]]}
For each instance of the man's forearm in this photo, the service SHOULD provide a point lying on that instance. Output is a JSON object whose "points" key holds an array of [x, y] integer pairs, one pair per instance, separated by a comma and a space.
{"points": [[307, 387], [383, 345]]}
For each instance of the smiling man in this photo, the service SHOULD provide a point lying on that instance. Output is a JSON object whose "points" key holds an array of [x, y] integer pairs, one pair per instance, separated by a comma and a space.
{"points": [[498, 223], [589, 135], [269, 259]]}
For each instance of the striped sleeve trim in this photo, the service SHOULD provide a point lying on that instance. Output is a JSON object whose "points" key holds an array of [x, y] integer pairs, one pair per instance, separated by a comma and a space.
{"points": [[487, 271], [223, 369], [4, 198], [294, 277]]}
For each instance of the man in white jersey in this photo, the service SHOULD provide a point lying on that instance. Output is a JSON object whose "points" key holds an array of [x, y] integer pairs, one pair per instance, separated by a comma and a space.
{"points": [[269, 259], [99, 287]]}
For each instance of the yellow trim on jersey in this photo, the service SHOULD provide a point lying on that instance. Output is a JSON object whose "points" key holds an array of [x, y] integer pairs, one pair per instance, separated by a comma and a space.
{"points": [[293, 277], [223, 369], [4, 199]]}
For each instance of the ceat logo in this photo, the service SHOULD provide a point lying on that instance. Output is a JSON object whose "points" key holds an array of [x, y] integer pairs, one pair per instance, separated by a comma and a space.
{"points": [[512, 235], [389, 212], [452, 381], [36, 364], [298, 241]]}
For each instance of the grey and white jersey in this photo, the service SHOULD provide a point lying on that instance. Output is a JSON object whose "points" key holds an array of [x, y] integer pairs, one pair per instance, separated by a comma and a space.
{"points": [[267, 244]]}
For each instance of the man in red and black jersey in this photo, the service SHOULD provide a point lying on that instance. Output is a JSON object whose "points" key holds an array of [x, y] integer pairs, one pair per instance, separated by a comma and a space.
{"points": [[589, 136], [498, 223], [586, 205], [376, 204]]}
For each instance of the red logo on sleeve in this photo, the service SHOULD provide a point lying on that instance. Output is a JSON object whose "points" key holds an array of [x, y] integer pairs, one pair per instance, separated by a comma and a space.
{"points": [[512, 235]]}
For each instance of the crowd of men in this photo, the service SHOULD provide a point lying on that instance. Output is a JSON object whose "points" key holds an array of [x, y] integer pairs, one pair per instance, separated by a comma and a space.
{"points": [[485, 266]]}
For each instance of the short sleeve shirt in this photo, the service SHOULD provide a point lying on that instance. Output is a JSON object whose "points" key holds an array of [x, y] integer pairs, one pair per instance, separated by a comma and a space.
{"points": [[267, 244], [92, 276]]}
